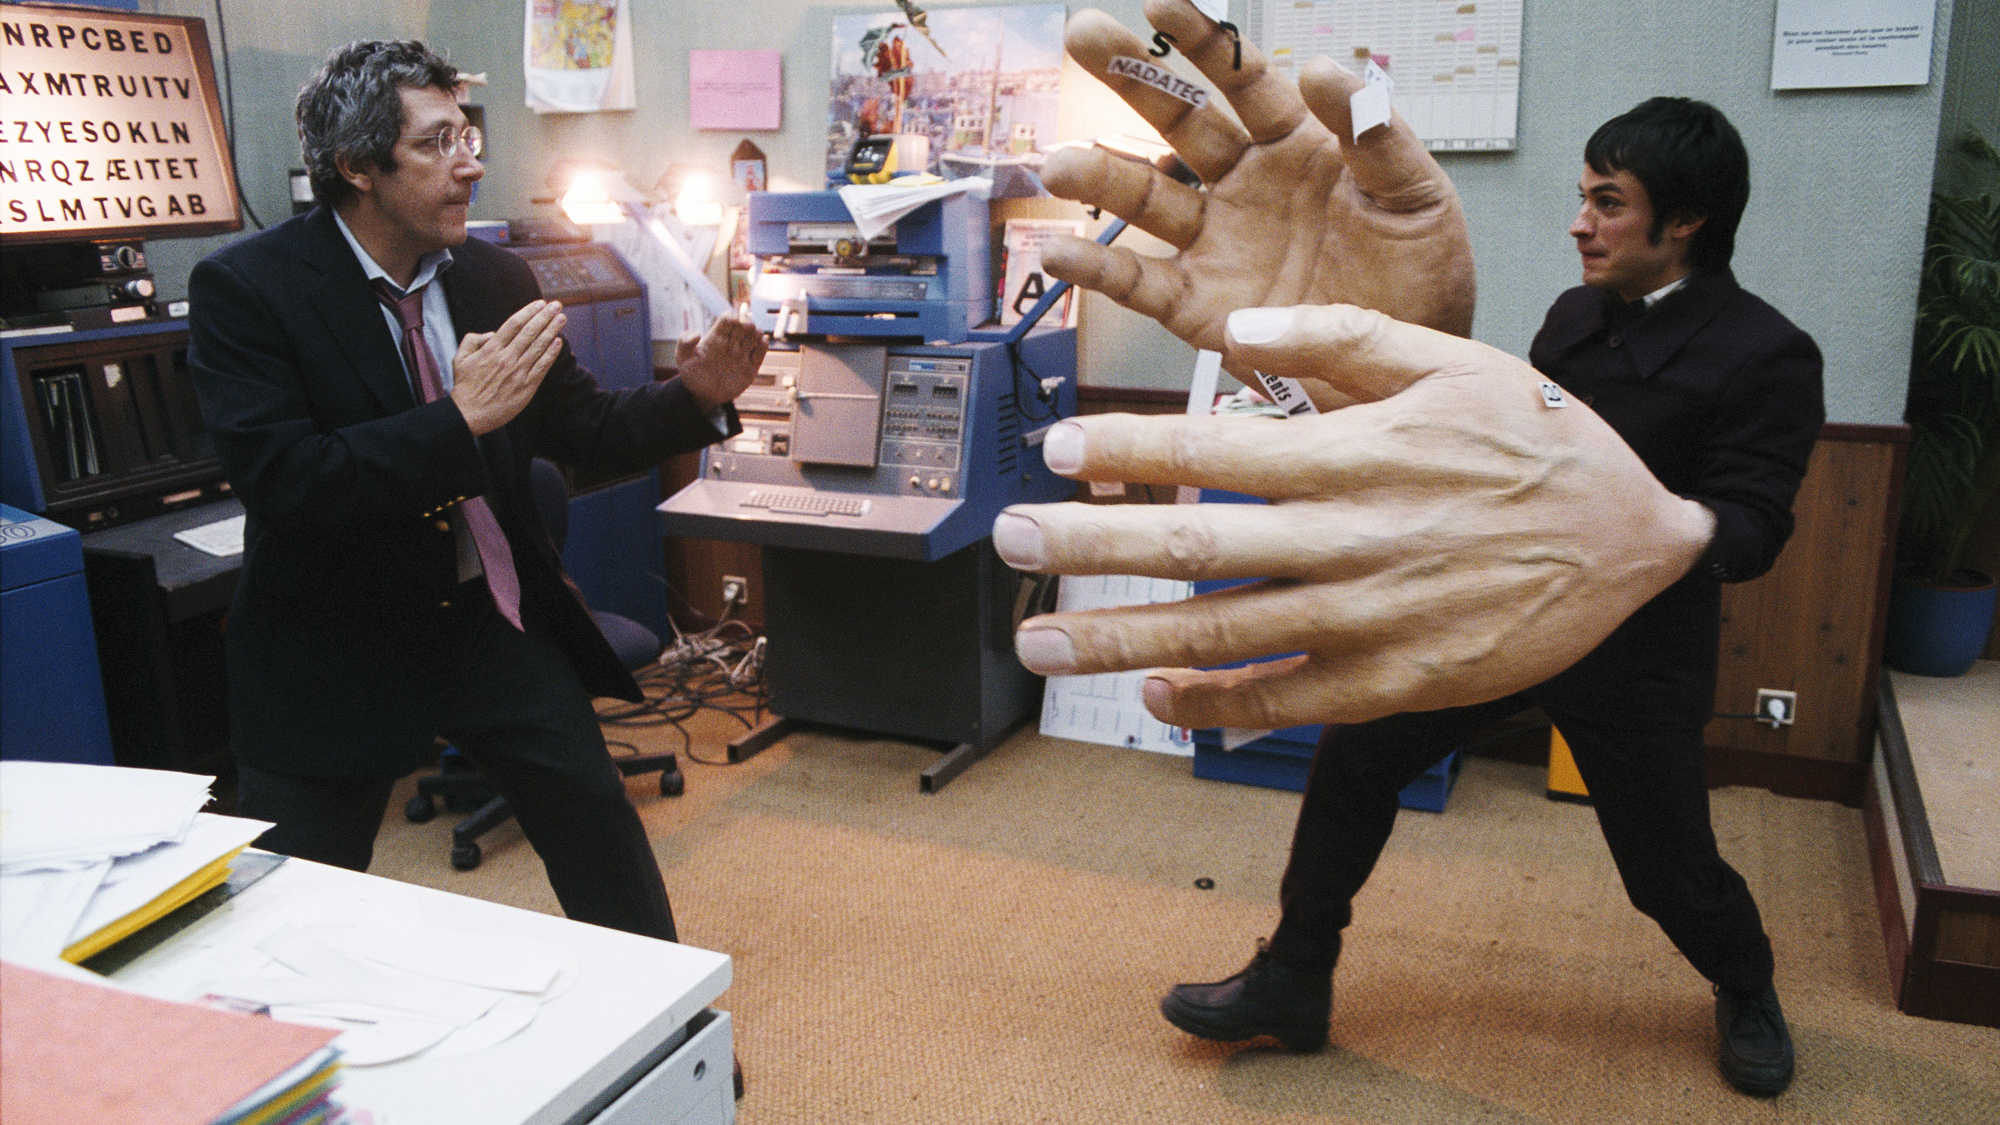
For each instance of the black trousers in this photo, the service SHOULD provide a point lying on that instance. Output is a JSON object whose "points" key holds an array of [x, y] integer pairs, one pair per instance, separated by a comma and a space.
{"points": [[1642, 762], [513, 704]]}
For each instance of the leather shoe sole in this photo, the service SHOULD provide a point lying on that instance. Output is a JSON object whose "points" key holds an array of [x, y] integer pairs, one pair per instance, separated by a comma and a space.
{"points": [[1225, 1026]]}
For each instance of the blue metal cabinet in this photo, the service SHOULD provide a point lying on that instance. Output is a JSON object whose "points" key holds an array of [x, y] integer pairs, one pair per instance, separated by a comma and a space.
{"points": [[51, 695]]}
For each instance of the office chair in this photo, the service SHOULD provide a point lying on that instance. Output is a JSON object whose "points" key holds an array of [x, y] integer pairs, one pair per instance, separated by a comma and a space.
{"points": [[458, 782]]}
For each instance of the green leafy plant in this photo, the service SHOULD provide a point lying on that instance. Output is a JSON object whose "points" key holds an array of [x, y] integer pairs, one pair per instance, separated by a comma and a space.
{"points": [[1953, 484]]}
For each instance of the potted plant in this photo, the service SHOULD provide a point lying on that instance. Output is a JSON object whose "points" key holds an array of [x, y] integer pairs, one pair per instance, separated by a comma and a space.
{"points": [[1942, 608]]}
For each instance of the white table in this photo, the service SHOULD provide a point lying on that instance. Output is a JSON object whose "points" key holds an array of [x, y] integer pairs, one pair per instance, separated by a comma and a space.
{"points": [[632, 1038]]}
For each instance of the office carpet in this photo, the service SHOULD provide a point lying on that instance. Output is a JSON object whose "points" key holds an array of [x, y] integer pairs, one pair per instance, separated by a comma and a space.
{"points": [[994, 952]]}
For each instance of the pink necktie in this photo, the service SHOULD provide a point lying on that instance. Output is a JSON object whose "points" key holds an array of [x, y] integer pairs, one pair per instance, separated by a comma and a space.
{"points": [[494, 555]]}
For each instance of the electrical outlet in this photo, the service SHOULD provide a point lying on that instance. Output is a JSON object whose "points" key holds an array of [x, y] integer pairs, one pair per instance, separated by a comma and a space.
{"points": [[735, 590], [1778, 708]]}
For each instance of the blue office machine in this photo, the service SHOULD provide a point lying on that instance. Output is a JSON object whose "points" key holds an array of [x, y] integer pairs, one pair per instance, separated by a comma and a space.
{"points": [[617, 567], [51, 698], [927, 277], [892, 450], [880, 440]]}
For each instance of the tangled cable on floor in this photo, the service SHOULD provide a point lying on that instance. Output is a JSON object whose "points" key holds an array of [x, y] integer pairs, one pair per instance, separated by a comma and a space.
{"points": [[720, 668]]}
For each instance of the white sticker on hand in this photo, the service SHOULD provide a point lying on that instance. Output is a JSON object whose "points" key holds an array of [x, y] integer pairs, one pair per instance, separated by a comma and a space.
{"points": [[1369, 106]]}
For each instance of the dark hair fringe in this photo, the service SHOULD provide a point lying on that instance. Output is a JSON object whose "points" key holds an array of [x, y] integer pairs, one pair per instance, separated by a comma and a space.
{"points": [[1692, 164]]}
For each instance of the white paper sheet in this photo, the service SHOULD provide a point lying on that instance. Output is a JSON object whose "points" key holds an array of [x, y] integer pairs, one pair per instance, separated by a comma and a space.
{"points": [[1106, 708], [222, 538], [876, 206], [1819, 44], [52, 813]]}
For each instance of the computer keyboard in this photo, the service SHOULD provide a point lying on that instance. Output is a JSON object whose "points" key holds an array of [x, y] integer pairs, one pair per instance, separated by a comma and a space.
{"points": [[799, 502]]}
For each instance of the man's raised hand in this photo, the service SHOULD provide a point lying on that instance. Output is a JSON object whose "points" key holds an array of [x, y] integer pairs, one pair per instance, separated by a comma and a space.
{"points": [[497, 372]]}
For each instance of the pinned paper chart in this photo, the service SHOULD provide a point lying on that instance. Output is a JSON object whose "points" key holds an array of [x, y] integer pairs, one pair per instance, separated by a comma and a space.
{"points": [[1456, 63], [1106, 708]]}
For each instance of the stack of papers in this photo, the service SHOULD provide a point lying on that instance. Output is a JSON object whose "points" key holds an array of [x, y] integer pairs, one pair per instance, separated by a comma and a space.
{"points": [[78, 1050], [91, 854], [875, 206], [393, 988]]}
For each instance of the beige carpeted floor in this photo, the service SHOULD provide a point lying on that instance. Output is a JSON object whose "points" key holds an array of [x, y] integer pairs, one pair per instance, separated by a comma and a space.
{"points": [[994, 952]]}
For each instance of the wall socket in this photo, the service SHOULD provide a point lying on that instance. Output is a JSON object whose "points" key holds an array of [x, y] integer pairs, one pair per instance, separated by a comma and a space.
{"points": [[735, 590], [1778, 708]]}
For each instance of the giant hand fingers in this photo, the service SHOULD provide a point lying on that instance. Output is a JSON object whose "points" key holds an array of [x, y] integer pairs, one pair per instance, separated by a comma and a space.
{"points": [[1136, 192], [1276, 459], [1449, 615], [1239, 623], [1204, 137], [1156, 287], [1268, 104], [1271, 694], [1362, 353], [1284, 693], [1389, 164], [1193, 541]]}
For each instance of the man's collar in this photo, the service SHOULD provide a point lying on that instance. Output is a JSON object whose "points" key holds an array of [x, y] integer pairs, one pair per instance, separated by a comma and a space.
{"points": [[1670, 324], [1660, 294], [428, 266], [1663, 331]]}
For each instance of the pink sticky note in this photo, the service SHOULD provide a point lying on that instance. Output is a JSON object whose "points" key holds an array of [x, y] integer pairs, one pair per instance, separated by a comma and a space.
{"points": [[735, 89]]}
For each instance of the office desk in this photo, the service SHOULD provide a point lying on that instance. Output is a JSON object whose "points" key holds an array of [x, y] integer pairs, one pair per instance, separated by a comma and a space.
{"points": [[158, 604], [631, 1038]]}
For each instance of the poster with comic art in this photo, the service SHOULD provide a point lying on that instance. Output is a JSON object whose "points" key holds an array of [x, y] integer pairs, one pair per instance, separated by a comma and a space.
{"points": [[976, 87], [576, 55]]}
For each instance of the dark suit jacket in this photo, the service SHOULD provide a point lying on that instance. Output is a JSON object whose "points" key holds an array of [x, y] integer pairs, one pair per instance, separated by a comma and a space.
{"points": [[336, 639], [1720, 396]]}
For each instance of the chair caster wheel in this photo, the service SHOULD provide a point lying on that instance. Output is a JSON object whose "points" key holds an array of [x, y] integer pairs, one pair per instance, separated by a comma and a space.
{"points": [[419, 809], [465, 856], [673, 784]]}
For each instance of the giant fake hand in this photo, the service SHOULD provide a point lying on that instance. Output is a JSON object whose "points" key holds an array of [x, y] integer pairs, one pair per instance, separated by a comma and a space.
{"points": [[1296, 211], [1449, 539]]}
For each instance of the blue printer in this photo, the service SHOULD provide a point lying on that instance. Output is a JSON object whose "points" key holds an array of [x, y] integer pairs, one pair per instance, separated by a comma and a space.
{"points": [[927, 277]]}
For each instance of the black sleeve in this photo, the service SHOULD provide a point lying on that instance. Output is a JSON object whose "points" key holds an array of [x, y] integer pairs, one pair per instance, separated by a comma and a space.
{"points": [[1755, 455]]}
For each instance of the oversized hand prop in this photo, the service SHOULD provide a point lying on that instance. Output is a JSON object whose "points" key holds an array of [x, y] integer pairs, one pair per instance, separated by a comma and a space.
{"points": [[1454, 537], [1296, 210]]}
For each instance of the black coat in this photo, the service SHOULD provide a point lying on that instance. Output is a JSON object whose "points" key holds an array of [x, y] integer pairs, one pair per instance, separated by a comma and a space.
{"points": [[334, 641], [1720, 396]]}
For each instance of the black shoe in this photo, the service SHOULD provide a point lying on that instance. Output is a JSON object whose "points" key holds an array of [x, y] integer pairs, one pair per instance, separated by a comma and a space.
{"points": [[1756, 1047], [1266, 998], [736, 1075]]}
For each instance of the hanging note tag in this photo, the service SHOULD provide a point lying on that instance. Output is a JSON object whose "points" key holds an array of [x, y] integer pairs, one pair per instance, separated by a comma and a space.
{"points": [[1286, 394], [1552, 396], [1216, 10], [1369, 106]]}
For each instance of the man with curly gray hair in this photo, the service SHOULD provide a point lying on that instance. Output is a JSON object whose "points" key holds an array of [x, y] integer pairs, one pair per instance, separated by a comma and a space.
{"points": [[377, 386]]}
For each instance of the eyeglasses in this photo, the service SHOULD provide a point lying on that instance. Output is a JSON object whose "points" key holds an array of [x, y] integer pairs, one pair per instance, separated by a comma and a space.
{"points": [[449, 140]]}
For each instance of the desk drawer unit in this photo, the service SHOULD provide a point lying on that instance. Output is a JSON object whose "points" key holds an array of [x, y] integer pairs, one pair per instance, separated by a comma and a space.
{"points": [[691, 1085]]}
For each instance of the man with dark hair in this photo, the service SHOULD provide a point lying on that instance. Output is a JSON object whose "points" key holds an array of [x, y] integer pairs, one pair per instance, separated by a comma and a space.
{"points": [[377, 386], [1691, 161], [1454, 535], [1719, 395]]}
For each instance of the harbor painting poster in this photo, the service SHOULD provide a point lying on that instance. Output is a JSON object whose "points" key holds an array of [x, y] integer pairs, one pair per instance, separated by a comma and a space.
{"points": [[955, 91]]}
